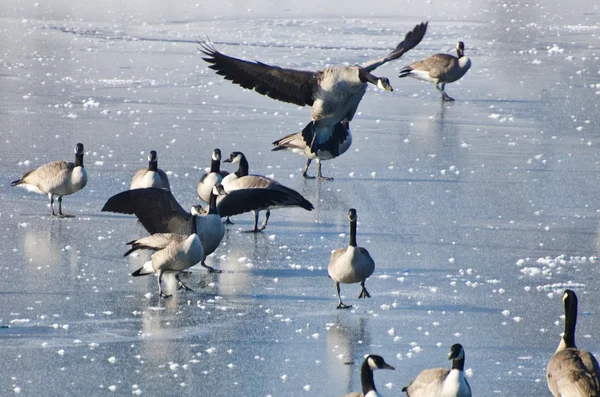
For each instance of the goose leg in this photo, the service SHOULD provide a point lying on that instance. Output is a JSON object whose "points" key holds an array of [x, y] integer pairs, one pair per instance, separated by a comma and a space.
{"points": [[210, 268], [264, 224], [180, 284], [363, 292], [340, 304], [51, 197], [445, 96], [228, 222], [255, 229], [305, 172], [319, 174], [160, 291]]}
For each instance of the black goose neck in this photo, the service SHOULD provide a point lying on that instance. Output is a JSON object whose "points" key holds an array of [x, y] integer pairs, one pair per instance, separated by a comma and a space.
{"points": [[353, 232], [152, 166], [570, 323], [460, 53], [243, 168], [366, 378], [79, 160], [215, 166], [212, 205], [459, 363], [366, 77], [193, 224]]}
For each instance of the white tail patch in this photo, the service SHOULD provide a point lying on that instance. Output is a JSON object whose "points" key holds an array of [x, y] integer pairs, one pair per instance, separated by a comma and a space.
{"points": [[147, 269]]}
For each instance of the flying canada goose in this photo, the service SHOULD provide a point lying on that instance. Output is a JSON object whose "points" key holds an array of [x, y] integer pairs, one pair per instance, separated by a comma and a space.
{"points": [[296, 144], [242, 181], [174, 253], [442, 382], [159, 212], [151, 176], [572, 372], [334, 93], [351, 264], [440, 68], [56, 179], [371, 363], [210, 179]]}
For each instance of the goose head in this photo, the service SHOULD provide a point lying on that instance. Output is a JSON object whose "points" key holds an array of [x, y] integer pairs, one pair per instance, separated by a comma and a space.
{"points": [[234, 158], [376, 362], [381, 82], [384, 84], [79, 149], [460, 49], [352, 215], [219, 190], [152, 157], [456, 352], [216, 155]]}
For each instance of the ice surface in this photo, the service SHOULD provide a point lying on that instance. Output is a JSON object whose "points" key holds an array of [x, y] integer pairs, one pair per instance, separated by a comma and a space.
{"points": [[478, 213]]}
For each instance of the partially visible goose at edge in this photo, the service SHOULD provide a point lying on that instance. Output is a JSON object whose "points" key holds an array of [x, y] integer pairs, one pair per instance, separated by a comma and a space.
{"points": [[371, 363], [241, 181], [174, 253], [159, 212], [442, 382], [211, 178], [572, 372], [56, 179], [351, 265], [440, 68], [334, 93], [151, 176]]}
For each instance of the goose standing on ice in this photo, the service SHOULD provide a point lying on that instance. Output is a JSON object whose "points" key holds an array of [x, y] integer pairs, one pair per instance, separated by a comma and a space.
{"points": [[56, 179], [351, 264], [334, 93], [440, 69], [174, 253], [371, 363], [159, 212], [240, 187], [151, 176], [572, 372], [442, 382], [210, 179]]}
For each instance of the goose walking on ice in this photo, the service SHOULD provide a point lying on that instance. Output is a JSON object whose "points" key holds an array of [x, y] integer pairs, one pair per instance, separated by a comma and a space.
{"points": [[151, 176], [371, 363], [572, 372], [56, 179], [351, 265], [240, 186], [334, 93], [174, 253], [442, 382], [440, 69]]}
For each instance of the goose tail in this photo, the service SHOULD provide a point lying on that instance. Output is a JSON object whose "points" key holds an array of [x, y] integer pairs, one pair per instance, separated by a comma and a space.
{"points": [[405, 71], [144, 270], [288, 142]]}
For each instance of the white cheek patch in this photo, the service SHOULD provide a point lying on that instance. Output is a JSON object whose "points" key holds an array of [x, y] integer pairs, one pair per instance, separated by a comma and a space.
{"points": [[372, 363], [215, 157], [380, 84], [237, 159]]}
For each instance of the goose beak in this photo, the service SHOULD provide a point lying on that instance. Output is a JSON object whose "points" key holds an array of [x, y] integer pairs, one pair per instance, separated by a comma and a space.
{"points": [[387, 366]]}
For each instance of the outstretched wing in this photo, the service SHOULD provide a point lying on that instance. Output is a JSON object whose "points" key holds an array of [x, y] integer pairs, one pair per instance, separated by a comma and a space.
{"points": [[156, 209], [411, 39], [246, 200], [286, 85]]}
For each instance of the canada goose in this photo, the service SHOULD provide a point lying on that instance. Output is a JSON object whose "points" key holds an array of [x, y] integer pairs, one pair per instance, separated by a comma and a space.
{"points": [[440, 68], [334, 93], [572, 372], [351, 264], [442, 382], [296, 144], [371, 363], [242, 181], [210, 179], [159, 212], [151, 176], [174, 253], [58, 178]]}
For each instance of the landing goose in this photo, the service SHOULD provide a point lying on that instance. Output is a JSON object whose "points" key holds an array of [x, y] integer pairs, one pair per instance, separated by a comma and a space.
{"points": [[442, 382], [440, 68], [351, 264], [371, 363], [334, 93], [241, 182], [572, 372], [56, 179], [159, 212], [210, 179], [151, 176], [174, 253], [296, 144]]}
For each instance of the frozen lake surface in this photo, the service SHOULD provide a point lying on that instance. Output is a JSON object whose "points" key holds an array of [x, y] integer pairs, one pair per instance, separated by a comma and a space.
{"points": [[478, 213]]}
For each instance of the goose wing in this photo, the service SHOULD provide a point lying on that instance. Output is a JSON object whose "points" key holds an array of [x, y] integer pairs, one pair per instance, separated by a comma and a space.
{"points": [[427, 383], [286, 85], [436, 65], [246, 200], [156, 209], [411, 39], [154, 242], [573, 373]]}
